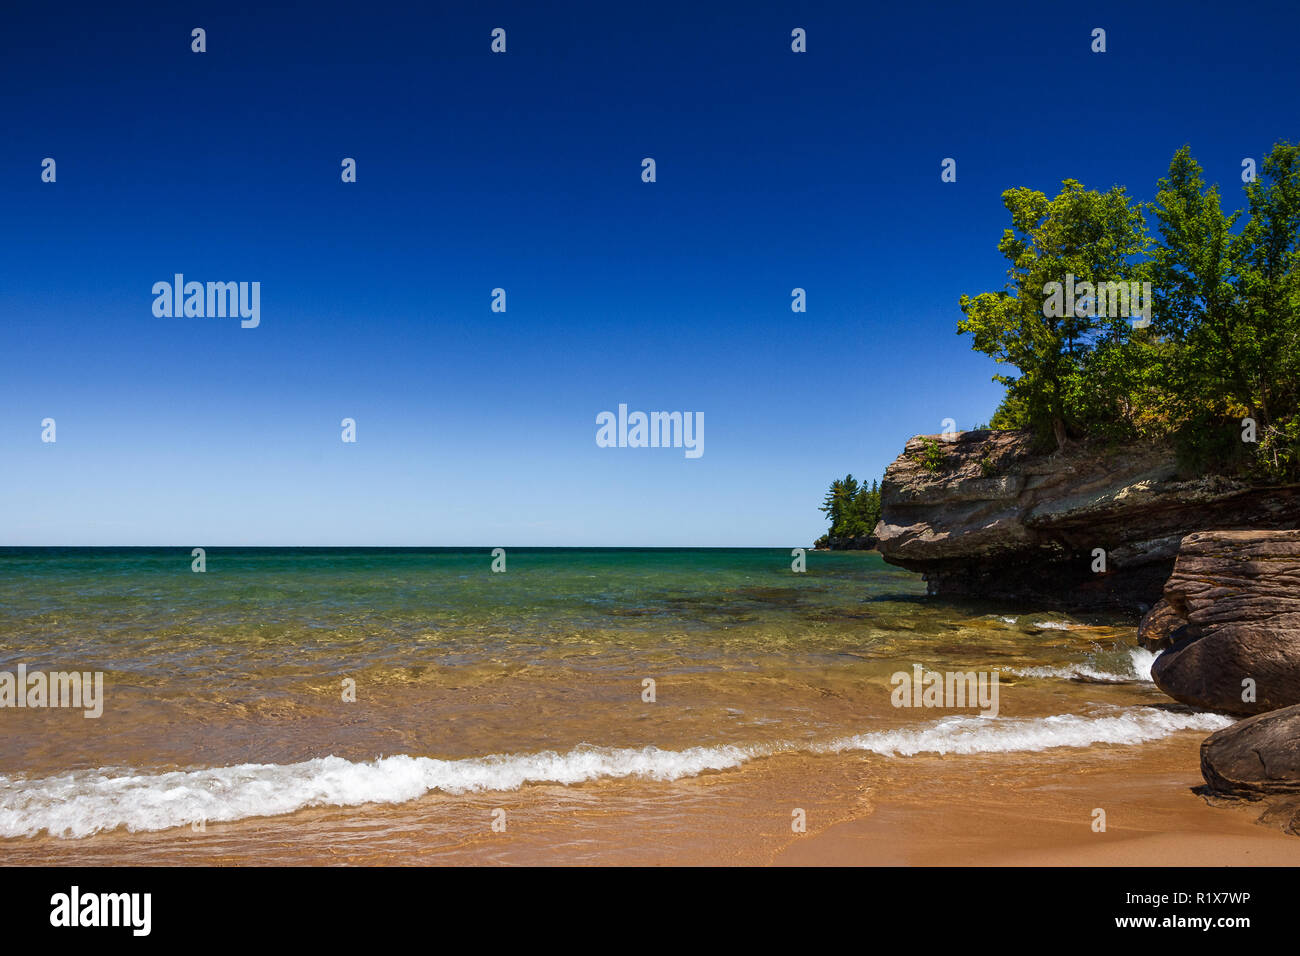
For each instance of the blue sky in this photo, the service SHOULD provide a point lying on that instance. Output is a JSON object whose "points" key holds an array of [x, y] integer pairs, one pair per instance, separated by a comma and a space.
{"points": [[775, 170]]}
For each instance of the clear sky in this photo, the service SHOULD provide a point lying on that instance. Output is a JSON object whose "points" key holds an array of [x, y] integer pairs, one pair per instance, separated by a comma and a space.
{"points": [[522, 171]]}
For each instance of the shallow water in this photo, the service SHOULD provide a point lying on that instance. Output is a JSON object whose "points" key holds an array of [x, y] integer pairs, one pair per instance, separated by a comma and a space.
{"points": [[224, 690]]}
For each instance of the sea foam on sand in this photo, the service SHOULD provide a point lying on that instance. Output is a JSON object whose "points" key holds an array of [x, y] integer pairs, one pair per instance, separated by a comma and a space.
{"points": [[83, 802]]}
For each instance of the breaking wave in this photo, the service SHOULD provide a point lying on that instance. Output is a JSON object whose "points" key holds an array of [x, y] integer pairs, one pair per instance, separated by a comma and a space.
{"points": [[83, 802], [1139, 669]]}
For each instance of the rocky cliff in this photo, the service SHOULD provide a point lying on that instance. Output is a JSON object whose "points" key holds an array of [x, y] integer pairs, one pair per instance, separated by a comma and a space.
{"points": [[980, 514]]}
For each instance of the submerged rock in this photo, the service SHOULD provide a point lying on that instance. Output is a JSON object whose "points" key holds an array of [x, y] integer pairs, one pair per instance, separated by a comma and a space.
{"points": [[1238, 593], [983, 514]]}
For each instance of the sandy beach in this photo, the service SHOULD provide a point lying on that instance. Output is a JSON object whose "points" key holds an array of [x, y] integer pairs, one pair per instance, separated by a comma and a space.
{"points": [[1153, 815], [990, 810]]}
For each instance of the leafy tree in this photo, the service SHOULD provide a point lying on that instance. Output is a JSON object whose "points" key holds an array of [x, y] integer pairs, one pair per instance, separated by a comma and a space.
{"points": [[1229, 305], [1223, 342], [1090, 235], [1196, 274], [1270, 302], [1269, 287]]}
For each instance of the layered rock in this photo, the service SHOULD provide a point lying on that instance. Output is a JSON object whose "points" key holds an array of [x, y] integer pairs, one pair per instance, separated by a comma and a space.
{"points": [[1256, 756], [1258, 759], [981, 514], [861, 542], [1238, 595], [1160, 627]]}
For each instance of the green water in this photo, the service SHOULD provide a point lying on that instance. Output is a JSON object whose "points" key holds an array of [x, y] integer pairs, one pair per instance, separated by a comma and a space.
{"points": [[397, 663], [246, 660], [135, 608]]}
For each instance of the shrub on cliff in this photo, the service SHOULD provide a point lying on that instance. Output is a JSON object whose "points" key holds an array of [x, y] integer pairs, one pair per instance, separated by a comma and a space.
{"points": [[932, 458]]}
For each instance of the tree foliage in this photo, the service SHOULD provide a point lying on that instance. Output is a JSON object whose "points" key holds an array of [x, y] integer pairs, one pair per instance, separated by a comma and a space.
{"points": [[1220, 343], [853, 509]]}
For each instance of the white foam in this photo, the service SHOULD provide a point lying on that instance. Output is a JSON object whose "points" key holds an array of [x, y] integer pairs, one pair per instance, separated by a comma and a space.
{"points": [[984, 735], [80, 803], [1139, 670], [1142, 661], [83, 802]]}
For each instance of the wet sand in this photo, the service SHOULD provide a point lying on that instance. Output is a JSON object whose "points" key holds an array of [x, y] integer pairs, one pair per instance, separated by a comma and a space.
{"points": [[861, 809], [1153, 818]]}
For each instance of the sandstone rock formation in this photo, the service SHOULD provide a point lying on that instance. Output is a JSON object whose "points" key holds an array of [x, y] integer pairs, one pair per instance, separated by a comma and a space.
{"points": [[862, 542], [1255, 756], [981, 514], [1258, 759], [1160, 627], [1239, 594]]}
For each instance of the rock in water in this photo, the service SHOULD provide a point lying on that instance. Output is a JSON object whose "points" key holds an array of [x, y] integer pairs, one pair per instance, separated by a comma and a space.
{"points": [[1239, 594], [1159, 627], [983, 514]]}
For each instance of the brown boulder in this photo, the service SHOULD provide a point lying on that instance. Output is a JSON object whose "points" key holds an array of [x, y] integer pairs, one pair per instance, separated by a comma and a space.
{"points": [[1258, 755], [1258, 759], [1239, 594]]}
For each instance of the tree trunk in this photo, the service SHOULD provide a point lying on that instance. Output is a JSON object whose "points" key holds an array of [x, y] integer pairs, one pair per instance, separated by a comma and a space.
{"points": [[1058, 429]]}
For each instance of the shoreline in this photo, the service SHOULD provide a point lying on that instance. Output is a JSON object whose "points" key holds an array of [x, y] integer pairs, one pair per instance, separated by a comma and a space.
{"points": [[1153, 818], [862, 810], [747, 714]]}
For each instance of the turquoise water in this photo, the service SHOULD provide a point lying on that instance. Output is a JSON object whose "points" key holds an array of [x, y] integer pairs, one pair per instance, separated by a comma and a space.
{"points": [[129, 608], [284, 678]]}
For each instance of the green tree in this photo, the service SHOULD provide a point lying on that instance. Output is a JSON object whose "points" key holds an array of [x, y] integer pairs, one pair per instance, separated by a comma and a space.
{"points": [[1229, 304], [1089, 235], [1269, 286], [838, 502], [1195, 272], [864, 512], [853, 509], [1269, 291]]}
